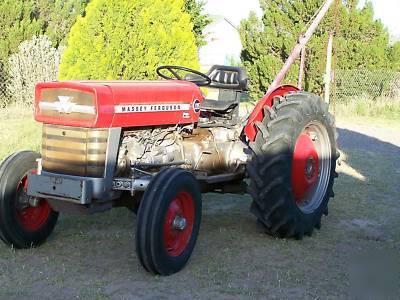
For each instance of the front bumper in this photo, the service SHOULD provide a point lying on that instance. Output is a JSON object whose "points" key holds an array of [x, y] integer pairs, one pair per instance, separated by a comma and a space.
{"points": [[60, 187], [78, 190]]}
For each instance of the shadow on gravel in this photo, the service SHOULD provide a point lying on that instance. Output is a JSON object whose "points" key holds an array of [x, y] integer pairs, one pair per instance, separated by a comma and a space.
{"points": [[371, 148], [355, 140]]}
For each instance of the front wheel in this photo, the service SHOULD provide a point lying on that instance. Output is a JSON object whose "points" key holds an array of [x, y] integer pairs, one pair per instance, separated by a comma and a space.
{"points": [[168, 221], [293, 167], [24, 221]]}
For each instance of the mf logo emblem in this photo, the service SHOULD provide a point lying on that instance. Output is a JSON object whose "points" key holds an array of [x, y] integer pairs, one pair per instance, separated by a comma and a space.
{"points": [[65, 105]]}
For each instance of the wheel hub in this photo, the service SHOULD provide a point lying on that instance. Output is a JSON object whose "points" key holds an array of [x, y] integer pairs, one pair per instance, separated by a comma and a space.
{"points": [[305, 167], [32, 213], [179, 223], [311, 166]]}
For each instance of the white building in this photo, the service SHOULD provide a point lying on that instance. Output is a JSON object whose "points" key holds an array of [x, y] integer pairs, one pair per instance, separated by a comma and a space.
{"points": [[223, 43], [223, 39]]}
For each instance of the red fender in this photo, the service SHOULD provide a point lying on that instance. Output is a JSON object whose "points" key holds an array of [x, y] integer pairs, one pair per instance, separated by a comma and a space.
{"points": [[257, 114]]}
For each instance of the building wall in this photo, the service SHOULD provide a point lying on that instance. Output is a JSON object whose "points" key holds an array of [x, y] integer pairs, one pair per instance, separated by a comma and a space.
{"points": [[223, 44]]}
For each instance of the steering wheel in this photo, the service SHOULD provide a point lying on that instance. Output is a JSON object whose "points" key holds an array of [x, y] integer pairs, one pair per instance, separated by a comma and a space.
{"points": [[198, 78]]}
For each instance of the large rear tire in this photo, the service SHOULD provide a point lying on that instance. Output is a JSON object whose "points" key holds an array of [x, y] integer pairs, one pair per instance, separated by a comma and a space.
{"points": [[293, 167], [22, 225], [168, 221]]}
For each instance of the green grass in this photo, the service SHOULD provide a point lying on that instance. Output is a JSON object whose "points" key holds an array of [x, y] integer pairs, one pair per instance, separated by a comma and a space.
{"points": [[378, 109], [18, 131]]}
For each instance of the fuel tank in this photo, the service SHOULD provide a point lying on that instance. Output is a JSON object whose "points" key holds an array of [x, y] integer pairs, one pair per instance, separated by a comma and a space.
{"points": [[102, 104]]}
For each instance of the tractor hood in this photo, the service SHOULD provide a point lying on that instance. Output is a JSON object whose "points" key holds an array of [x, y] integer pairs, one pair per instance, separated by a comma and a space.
{"points": [[103, 104]]}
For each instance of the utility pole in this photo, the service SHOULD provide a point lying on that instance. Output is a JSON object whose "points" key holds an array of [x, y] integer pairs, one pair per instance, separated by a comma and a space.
{"points": [[302, 66], [328, 70]]}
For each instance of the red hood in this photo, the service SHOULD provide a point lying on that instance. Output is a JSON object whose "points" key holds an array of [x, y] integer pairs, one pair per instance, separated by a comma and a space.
{"points": [[122, 103]]}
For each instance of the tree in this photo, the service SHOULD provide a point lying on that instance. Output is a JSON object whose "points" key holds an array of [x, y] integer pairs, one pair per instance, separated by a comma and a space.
{"points": [[3, 88], [20, 20], [361, 42], [198, 18], [394, 55], [36, 61], [59, 16], [128, 39]]}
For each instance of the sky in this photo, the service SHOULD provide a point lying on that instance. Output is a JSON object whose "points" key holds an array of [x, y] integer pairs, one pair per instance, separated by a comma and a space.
{"points": [[388, 12], [235, 10]]}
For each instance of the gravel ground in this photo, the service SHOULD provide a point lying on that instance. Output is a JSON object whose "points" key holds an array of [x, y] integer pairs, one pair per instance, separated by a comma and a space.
{"points": [[94, 257]]}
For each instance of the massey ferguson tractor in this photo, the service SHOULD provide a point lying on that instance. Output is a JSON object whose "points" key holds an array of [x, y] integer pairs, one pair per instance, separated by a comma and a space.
{"points": [[156, 146]]}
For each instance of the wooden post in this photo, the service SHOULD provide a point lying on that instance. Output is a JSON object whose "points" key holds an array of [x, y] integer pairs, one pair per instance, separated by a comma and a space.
{"points": [[302, 65], [328, 70]]}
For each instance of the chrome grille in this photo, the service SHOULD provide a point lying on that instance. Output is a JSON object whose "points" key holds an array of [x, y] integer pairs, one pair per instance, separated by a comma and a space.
{"points": [[74, 150]]}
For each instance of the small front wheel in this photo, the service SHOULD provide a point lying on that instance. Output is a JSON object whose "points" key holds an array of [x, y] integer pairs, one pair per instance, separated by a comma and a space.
{"points": [[168, 221], [24, 221]]}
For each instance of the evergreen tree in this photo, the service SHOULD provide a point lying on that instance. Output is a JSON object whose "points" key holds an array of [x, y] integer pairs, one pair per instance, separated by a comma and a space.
{"points": [[360, 42], [59, 16], [394, 55], [198, 18], [19, 21], [128, 39]]}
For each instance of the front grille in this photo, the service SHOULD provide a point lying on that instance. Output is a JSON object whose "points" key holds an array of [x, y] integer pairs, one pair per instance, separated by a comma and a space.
{"points": [[74, 150]]}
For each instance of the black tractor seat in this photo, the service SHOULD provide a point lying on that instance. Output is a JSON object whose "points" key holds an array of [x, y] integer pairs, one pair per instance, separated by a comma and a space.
{"points": [[225, 91], [226, 77], [230, 82]]}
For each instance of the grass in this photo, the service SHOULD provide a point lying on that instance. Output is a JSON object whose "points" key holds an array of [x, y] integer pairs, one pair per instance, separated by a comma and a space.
{"points": [[18, 131], [378, 109]]}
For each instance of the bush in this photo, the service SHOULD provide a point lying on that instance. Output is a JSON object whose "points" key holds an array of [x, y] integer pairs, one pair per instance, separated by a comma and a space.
{"points": [[366, 83], [128, 39], [3, 88], [36, 61]]}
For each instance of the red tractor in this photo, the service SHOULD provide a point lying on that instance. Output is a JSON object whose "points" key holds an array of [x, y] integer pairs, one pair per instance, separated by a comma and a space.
{"points": [[155, 146]]}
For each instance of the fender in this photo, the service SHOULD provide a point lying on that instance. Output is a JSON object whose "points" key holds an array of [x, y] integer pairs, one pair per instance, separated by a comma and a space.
{"points": [[257, 114]]}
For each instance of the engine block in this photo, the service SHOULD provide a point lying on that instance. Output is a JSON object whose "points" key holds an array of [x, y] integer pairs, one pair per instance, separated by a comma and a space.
{"points": [[206, 151]]}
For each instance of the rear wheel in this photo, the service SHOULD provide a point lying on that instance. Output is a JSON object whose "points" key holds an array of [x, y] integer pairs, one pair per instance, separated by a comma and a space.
{"points": [[24, 221], [293, 166], [168, 223]]}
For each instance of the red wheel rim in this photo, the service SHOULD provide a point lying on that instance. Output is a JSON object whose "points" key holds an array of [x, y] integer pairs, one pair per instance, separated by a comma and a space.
{"points": [[31, 218], [305, 168], [178, 224]]}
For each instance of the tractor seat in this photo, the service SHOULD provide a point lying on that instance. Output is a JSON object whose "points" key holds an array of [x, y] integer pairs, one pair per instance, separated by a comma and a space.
{"points": [[225, 89], [230, 78]]}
